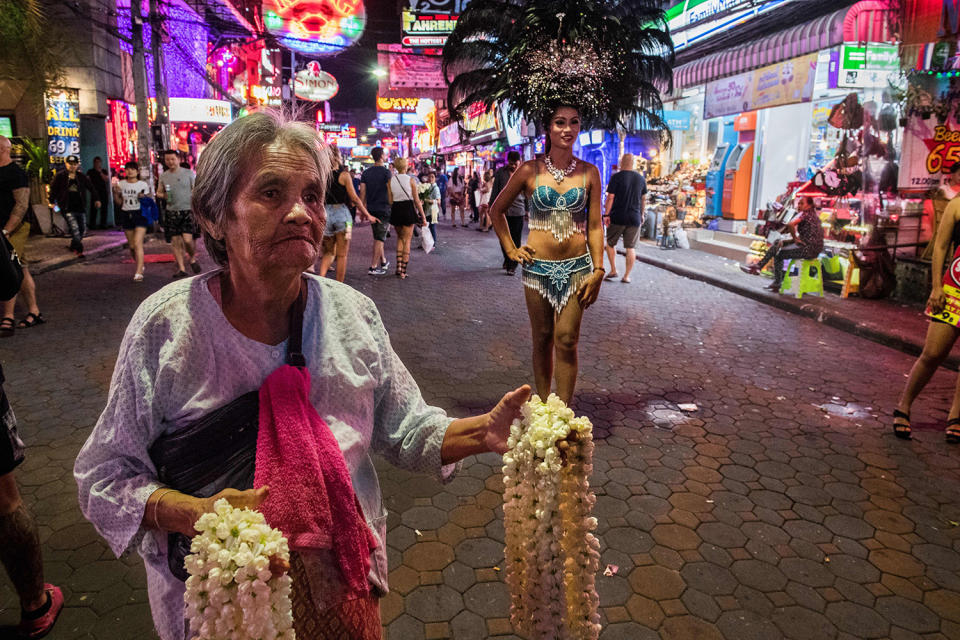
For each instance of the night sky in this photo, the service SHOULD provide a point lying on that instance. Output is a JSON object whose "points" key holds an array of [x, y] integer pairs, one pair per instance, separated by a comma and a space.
{"points": [[358, 88]]}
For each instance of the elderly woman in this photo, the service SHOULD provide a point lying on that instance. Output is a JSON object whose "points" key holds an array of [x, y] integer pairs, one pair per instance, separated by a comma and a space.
{"points": [[183, 402]]}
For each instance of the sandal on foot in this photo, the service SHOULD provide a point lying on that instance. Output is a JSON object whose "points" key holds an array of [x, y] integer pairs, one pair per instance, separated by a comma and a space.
{"points": [[900, 429], [7, 327], [31, 320], [953, 431]]}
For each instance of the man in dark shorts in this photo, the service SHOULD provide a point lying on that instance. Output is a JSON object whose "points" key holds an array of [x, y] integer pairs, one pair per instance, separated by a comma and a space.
{"points": [[40, 603], [373, 192], [623, 214], [176, 187], [14, 201]]}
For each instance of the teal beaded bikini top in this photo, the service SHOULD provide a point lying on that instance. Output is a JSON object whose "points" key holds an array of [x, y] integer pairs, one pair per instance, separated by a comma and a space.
{"points": [[562, 214]]}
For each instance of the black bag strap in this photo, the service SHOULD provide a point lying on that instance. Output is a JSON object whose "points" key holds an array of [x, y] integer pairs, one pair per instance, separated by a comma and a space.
{"points": [[295, 356]]}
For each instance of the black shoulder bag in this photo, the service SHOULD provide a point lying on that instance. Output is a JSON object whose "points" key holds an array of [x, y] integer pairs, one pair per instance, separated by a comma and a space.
{"points": [[219, 450], [11, 270]]}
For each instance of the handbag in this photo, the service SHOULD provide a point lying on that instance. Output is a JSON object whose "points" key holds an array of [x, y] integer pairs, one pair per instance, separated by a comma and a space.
{"points": [[217, 451], [11, 270]]}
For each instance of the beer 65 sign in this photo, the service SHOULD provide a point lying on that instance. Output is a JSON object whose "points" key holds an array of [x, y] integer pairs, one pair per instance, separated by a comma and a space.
{"points": [[930, 147], [315, 84]]}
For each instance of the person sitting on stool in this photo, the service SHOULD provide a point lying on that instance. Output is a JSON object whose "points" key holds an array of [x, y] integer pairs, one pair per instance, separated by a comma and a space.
{"points": [[807, 242]]}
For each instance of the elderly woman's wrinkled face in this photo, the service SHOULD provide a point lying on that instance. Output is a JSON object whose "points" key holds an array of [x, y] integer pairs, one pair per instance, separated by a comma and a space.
{"points": [[277, 217]]}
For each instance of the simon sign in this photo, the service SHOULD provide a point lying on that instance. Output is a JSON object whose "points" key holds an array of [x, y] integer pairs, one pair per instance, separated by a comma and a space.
{"points": [[315, 84]]}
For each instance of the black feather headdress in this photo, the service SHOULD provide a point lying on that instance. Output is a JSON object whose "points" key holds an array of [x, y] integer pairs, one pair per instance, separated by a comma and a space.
{"points": [[608, 58]]}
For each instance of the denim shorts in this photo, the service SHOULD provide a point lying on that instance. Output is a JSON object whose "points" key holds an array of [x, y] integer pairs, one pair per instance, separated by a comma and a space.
{"points": [[338, 220]]}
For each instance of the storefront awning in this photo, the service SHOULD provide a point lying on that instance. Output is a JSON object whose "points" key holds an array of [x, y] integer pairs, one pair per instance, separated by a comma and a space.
{"points": [[866, 21]]}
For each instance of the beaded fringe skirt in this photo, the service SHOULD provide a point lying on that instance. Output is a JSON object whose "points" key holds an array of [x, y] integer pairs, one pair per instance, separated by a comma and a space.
{"points": [[556, 280], [357, 618]]}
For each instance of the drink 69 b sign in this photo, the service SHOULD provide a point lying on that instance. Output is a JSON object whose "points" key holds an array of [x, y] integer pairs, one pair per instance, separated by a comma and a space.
{"points": [[63, 123]]}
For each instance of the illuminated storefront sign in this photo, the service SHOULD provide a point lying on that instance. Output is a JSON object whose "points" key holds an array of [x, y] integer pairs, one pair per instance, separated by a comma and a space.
{"points": [[200, 110], [867, 66], [315, 84], [479, 119], [119, 148], [315, 27], [62, 108], [399, 105], [427, 29], [271, 96]]}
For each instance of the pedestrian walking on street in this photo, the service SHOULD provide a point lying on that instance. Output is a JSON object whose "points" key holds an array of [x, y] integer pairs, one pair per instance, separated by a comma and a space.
{"points": [[339, 227], [175, 185], [515, 210], [472, 186], [340, 395], [69, 191], [374, 193], [430, 195], [405, 212], [941, 335], [442, 180], [100, 180], [623, 214], [562, 258], [14, 200], [483, 200], [457, 189], [126, 194], [20, 554]]}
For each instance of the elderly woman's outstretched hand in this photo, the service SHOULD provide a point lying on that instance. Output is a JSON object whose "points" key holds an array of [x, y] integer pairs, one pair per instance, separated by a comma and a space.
{"points": [[502, 416]]}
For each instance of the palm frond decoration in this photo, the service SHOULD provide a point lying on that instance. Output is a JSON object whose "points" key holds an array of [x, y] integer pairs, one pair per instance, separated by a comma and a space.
{"points": [[608, 58]]}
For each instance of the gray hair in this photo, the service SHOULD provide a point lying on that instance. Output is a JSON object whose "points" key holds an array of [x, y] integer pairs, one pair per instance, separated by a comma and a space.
{"points": [[227, 158]]}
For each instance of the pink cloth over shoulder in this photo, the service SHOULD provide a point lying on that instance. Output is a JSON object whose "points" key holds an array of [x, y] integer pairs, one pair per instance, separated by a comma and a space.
{"points": [[311, 495]]}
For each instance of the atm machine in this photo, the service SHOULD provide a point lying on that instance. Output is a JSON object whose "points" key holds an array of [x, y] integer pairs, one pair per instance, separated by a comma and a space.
{"points": [[715, 178], [737, 178]]}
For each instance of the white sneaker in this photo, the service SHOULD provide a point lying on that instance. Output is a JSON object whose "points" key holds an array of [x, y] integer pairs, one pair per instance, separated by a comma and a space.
{"points": [[138, 277]]}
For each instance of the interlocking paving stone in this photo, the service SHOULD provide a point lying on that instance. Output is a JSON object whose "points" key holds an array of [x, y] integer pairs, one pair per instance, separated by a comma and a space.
{"points": [[751, 486]]}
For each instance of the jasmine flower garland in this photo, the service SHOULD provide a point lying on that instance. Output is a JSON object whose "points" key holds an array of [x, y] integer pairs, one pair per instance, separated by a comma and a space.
{"points": [[552, 556], [231, 592]]}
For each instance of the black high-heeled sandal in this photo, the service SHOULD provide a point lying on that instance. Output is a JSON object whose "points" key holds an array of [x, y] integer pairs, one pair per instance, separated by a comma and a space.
{"points": [[953, 431], [902, 431]]}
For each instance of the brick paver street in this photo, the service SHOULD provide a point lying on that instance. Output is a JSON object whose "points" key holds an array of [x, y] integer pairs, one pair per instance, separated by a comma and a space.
{"points": [[783, 507]]}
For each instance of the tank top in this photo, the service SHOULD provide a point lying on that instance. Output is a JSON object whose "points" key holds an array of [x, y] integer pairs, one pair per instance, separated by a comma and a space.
{"points": [[400, 190], [336, 192]]}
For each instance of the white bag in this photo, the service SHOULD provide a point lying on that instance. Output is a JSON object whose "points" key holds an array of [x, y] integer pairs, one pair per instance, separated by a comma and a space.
{"points": [[426, 239], [682, 240]]}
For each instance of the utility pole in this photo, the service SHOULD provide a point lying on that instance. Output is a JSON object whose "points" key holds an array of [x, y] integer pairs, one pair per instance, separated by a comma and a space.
{"points": [[140, 92], [159, 77]]}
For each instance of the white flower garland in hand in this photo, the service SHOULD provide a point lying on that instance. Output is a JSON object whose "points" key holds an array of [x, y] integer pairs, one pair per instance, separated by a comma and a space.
{"points": [[231, 592], [552, 556]]}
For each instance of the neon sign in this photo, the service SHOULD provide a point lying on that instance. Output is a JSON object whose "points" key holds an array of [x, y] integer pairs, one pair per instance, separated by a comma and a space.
{"points": [[315, 27]]}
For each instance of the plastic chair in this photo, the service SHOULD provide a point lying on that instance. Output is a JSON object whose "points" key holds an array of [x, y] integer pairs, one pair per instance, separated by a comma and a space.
{"points": [[810, 274]]}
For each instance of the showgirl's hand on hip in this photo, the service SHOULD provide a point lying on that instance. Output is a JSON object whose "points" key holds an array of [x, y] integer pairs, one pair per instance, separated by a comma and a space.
{"points": [[523, 255], [590, 289], [502, 416]]}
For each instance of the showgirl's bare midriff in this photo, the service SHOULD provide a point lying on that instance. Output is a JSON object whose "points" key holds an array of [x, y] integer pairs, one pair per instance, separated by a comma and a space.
{"points": [[548, 248]]}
